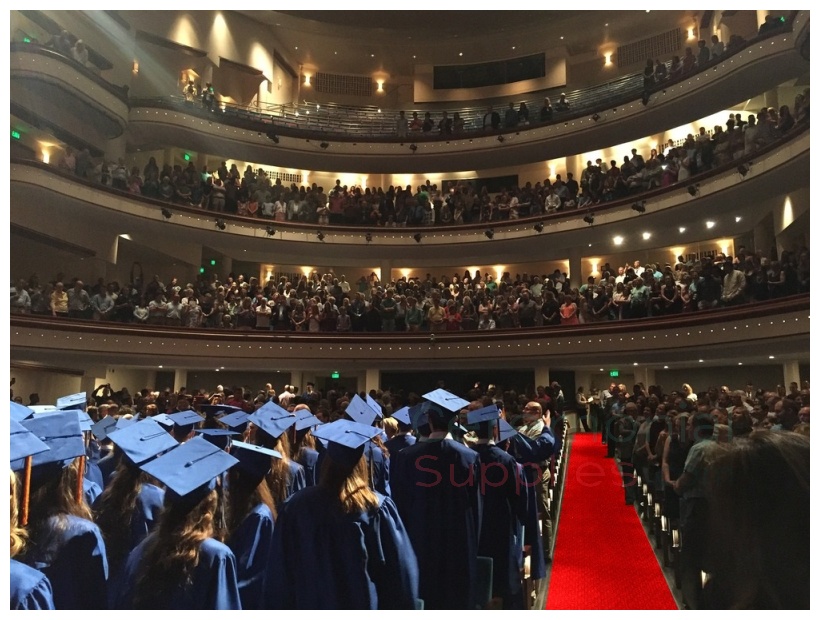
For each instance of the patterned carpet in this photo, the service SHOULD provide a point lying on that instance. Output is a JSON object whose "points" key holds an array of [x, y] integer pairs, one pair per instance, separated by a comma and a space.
{"points": [[602, 559]]}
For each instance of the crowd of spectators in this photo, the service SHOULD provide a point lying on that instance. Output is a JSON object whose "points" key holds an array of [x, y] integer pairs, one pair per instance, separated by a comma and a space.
{"points": [[689, 449], [329, 303], [254, 193]]}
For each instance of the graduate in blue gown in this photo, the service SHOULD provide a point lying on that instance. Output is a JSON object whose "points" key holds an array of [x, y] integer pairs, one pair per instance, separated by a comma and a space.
{"points": [[63, 541], [435, 486], [504, 508], [130, 507], [28, 587], [342, 537], [269, 430], [250, 520], [378, 458], [403, 438], [179, 565], [304, 448]]}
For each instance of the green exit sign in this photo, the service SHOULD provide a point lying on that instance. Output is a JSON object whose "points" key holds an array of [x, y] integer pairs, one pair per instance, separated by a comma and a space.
{"points": [[335, 374], [614, 373], [202, 270], [213, 263], [26, 40], [15, 134], [186, 157]]}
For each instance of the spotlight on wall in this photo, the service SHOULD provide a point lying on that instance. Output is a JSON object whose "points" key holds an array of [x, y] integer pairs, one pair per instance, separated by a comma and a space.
{"points": [[489, 233], [413, 148], [270, 231], [368, 237], [220, 224], [743, 169], [417, 237], [320, 235], [539, 227], [500, 138], [272, 136], [324, 145], [166, 213], [639, 206], [693, 190], [589, 219], [596, 117]]}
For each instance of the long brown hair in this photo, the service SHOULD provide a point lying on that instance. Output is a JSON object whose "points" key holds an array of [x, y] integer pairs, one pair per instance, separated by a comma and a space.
{"points": [[243, 495], [304, 440], [348, 485], [18, 534], [278, 477], [55, 496], [172, 551], [117, 505]]}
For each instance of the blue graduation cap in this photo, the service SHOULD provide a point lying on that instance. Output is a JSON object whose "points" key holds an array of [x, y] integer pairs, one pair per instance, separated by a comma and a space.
{"points": [[19, 412], [303, 413], [485, 414], [359, 411], [123, 422], [346, 440], [307, 422], [60, 431], [189, 471], [253, 460], [505, 431], [86, 423], [24, 443], [163, 419], [236, 420], [72, 401], [418, 415], [403, 415], [101, 429], [220, 437], [272, 422], [214, 410], [374, 406], [189, 417], [142, 441], [272, 410], [446, 401], [42, 408]]}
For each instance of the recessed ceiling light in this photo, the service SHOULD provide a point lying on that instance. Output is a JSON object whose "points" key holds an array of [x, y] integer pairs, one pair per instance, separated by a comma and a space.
{"points": [[562, 38], [414, 55], [607, 25], [160, 366], [334, 53], [710, 224], [513, 47], [740, 363], [666, 366], [600, 369], [771, 357], [461, 53], [738, 218], [635, 363], [646, 236], [372, 55], [682, 229], [590, 245], [617, 240], [701, 361], [296, 47]]}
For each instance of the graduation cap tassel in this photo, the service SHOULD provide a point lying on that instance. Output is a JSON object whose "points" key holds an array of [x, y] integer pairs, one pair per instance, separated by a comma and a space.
{"points": [[80, 476], [26, 492]]}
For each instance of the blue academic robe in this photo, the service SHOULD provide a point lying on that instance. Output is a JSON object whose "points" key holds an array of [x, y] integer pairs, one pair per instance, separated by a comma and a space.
{"points": [[504, 513], [435, 486], [108, 465], [213, 582], [297, 480], [309, 460], [325, 559], [251, 545], [29, 588], [399, 442], [94, 473], [91, 491], [71, 552], [379, 468]]}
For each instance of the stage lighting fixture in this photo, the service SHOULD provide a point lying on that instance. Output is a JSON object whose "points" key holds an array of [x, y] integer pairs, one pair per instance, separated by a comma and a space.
{"points": [[417, 237], [589, 219], [271, 231], [500, 138], [639, 206], [320, 235], [693, 190], [413, 148], [220, 224], [743, 169], [596, 117], [368, 237], [489, 233], [273, 136], [324, 145], [166, 213], [539, 227]]}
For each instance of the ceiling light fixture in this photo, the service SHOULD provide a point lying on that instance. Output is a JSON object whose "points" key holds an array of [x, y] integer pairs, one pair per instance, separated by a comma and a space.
{"points": [[617, 240], [710, 224], [682, 229], [646, 236]]}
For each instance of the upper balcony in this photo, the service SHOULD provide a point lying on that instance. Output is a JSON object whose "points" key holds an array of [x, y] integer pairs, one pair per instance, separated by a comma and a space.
{"points": [[340, 138]]}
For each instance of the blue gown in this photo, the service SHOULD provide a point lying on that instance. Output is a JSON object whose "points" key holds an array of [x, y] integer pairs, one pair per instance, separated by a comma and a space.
{"points": [[297, 480], [213, 587], [94, 473], [309, 459], [379, 468], [324, 559], [72, 556], [504, 513], [399, 442], [29, 588], [108, 465], [251, 545], [435, 486], [91, 491]]}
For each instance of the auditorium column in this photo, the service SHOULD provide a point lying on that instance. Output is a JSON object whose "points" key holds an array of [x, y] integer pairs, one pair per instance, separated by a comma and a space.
{"points": [[645, 375], [542, 376], [386, 268], [180, 378], [296, 380], [791, 373], [372, 379], [576, 276]]}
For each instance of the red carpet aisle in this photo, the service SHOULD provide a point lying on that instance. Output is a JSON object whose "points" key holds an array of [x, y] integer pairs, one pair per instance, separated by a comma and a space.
{"points": [[602, 559]]}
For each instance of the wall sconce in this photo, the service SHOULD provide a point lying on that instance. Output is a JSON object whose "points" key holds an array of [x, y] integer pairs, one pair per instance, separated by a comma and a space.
{"points": [[46, 156], [607, 59], [379, 86], [690, 34], [135, 67], [307, 80]]}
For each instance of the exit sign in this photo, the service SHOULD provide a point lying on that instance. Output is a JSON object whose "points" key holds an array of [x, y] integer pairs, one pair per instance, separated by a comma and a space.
{"points": [[614, 373], [15, 134], [335, 374], [186, 157]]}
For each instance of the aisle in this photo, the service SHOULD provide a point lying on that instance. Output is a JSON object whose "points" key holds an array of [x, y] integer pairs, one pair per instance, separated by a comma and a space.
{"points": [[602, 558]]}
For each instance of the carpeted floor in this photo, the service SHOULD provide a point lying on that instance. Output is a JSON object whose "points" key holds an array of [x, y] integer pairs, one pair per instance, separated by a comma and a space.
{"points": [[602, 558]]}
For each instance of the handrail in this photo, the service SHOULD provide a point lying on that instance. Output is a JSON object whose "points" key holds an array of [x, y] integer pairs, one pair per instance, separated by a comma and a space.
{"points": [[120, 92], [546, 218], [329, 121], [679, 321]]}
